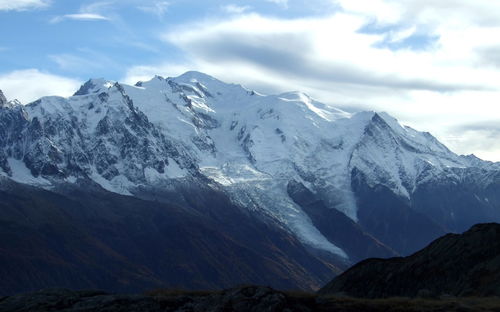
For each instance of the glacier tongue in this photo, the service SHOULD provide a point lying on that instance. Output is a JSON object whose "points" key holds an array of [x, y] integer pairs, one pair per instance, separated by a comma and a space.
{"points": [[130, 137]]}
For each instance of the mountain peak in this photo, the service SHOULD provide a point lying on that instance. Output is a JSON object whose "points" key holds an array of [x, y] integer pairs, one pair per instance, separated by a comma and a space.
{"points": [[387, 119], [195, 76], [205, 80], [93, 86], [6, 103]]}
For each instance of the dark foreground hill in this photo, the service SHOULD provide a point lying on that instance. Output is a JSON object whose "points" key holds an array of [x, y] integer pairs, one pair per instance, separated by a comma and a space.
{"points": [[465, 264]]}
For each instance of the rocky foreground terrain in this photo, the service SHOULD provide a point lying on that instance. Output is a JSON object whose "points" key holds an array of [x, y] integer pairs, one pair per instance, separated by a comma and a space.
{"points": [[241, 299]]}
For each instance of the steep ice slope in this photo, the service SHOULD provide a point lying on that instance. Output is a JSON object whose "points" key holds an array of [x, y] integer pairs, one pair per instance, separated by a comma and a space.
{"points": [[400, 157], [130, 138]]}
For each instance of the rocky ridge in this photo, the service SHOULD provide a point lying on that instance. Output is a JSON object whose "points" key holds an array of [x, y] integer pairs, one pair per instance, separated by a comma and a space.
{"points": [[465, 264]]}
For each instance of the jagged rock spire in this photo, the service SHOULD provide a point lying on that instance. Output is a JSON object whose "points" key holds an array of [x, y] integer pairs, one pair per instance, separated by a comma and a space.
{"points": [[3, 99]]}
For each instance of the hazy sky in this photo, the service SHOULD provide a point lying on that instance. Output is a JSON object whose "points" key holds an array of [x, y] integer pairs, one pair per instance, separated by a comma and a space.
{"points": [[434, 65]]}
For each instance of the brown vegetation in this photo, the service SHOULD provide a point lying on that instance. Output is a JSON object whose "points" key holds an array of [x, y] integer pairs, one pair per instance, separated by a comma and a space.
{"points": [[298, 300]]}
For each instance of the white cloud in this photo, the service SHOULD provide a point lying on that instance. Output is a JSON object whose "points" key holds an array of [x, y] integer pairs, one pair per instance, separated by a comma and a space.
{"points": [[235, 9], [429, 12], [30, 84], [97, 7], [22, 5], [450, 81], [327, 49]]}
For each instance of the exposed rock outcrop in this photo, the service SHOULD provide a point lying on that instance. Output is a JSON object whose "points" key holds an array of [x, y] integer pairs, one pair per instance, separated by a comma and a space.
{"points": [[3, 99]]}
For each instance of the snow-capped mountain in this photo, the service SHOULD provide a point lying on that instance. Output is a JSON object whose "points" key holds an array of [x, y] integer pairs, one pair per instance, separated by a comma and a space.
{"points": [[287, 158]]}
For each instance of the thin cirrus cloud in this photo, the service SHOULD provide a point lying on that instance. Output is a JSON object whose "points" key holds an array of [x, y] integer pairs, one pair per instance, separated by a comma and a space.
{"points": [[235, 9], [79, 17], [87, 62], [23, 5], [90, 12], [159, 8], [283, 3]]}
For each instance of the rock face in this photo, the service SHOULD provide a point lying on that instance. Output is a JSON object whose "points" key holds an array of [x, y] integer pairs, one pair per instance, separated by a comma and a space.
{"points": [[3, 99], [465, 264]]}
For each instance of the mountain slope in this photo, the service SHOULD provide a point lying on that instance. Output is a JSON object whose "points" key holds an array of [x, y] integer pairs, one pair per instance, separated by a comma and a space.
{"points": [[459, 265], [96, 239]]}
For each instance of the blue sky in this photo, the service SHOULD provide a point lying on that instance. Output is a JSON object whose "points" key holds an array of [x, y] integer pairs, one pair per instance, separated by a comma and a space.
{"points": [[83, 39], [433, 65]]}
